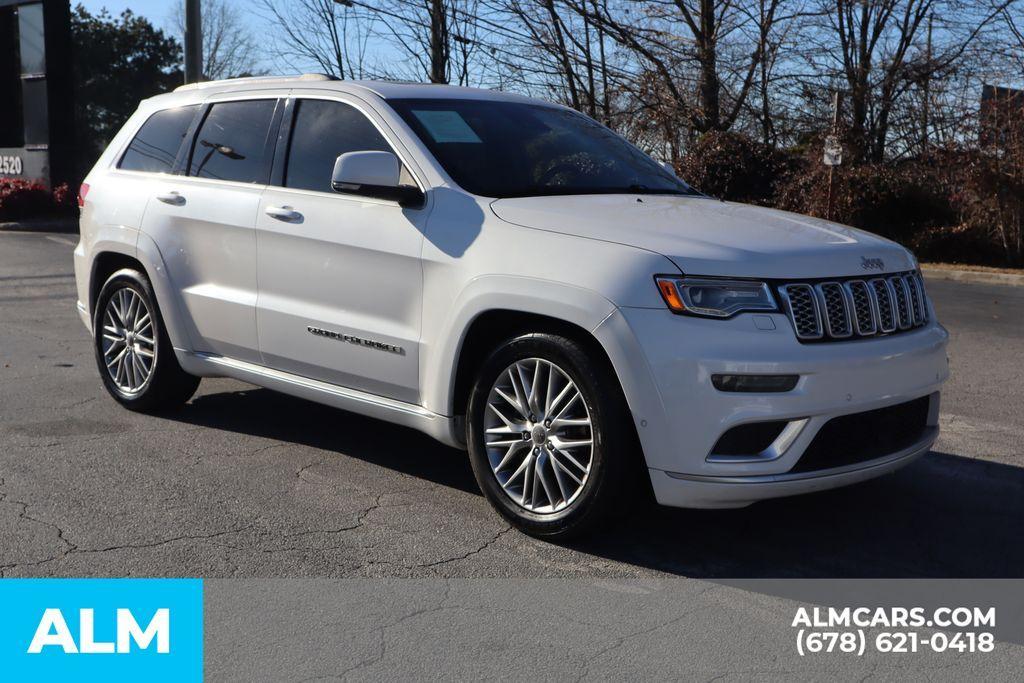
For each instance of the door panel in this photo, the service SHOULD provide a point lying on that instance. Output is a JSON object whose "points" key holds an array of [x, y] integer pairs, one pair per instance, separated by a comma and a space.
{"points": [[204, 224], [340, 291], [208, 242]]}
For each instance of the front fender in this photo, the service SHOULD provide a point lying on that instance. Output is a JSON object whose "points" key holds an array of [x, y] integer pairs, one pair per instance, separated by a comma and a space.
{"points": [[577, 305]]}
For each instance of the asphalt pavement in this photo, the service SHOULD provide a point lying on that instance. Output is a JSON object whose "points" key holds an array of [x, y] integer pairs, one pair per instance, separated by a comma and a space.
{"points": [[244, 482]]}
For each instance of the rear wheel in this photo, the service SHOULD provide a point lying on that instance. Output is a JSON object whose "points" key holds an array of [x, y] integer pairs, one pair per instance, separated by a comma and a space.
{"points": [[133, 353], [548, 436]]}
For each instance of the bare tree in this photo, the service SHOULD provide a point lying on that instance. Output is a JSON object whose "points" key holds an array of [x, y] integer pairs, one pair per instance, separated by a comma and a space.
{"points": [[723, 41], [229, 47], [330, 34], [438, 38], [882, 49], [553, 39]]}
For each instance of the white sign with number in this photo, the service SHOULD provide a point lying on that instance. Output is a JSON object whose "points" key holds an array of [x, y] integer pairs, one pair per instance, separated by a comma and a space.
{"points": [[10, 165], [833, 151]]}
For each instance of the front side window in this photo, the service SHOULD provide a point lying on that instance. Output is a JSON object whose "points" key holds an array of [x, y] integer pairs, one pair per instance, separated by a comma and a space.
{"points": [[156, 145], [516, 149], [232, 142], [324, 130]]}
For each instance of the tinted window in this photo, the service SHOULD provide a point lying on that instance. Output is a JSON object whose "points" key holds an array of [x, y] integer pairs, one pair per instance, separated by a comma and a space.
{"points": [[323, 130], [156, 144], [232, 142], [515, 149]]}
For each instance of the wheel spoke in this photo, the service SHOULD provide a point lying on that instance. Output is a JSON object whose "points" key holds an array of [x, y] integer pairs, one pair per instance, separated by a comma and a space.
{"points": [[509, 455], [539, 469], [512, 402], [117, 358], [534, 398], [508, 423], [558, 476], [517, 385], [559, 467], [574, 461]]}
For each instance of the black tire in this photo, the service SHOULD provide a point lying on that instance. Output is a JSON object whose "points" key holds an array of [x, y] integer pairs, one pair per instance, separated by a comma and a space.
{"points": [[167, 385], [609, 482]]}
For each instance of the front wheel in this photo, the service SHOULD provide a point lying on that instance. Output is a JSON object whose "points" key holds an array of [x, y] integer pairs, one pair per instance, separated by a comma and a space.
{"points": [[548, 436], [133, 351]]}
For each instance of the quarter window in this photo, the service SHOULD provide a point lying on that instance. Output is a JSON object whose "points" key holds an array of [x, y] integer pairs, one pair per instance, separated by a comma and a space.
{"points": [[323, 130], [232, 142], [155, 147]]}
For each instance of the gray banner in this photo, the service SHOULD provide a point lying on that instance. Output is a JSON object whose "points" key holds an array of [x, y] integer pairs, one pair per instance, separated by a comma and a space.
{"points": [[456, 629]]}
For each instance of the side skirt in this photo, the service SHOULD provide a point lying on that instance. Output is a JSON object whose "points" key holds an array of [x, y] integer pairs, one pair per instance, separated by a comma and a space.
{"points": [[441, 427]]}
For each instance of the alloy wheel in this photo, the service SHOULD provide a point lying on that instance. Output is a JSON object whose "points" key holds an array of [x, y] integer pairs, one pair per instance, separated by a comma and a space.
{"points": [[128, 342], [538, 435]]}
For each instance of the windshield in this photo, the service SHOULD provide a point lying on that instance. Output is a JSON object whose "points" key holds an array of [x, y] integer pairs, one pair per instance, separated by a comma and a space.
{"points": [[513, 149]]}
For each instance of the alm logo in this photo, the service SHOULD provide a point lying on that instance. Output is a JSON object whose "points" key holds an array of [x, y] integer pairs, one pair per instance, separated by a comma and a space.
{"points": [[872, 263], [53, 631]]}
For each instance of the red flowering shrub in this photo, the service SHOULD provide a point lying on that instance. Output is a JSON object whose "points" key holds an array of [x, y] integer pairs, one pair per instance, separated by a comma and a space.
{"points": [[65, 200], [23, 199]]}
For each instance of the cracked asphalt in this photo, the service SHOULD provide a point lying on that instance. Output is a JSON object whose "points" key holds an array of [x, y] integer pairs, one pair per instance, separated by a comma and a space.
{"points": [[244, 482]]}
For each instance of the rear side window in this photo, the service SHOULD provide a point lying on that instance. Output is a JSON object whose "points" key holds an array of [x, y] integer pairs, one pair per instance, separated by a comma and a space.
{"points": [[323, 130], [232, 142], [155, 146]]}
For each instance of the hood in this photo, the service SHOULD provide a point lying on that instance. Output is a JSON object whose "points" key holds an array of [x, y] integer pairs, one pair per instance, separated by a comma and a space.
{"points": [[707, 237]]}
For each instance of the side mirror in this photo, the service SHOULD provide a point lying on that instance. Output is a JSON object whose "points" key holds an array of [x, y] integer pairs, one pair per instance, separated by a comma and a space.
{"points": [[373, 174]]}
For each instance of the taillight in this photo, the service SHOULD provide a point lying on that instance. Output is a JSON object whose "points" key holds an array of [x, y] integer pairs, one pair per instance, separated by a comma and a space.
{"points": [[82, 191]]}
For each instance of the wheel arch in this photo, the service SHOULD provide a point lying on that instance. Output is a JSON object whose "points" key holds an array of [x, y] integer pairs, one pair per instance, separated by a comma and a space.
{"points": [[109, 257]]}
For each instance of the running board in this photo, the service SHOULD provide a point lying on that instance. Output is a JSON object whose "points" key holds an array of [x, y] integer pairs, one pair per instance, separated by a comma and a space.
{"points": [[398, 412]]}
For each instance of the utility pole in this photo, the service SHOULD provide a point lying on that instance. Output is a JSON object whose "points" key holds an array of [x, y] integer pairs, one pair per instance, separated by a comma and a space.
{"points": [[926, 88], [833, 153], [193, 42], [438, 42]]}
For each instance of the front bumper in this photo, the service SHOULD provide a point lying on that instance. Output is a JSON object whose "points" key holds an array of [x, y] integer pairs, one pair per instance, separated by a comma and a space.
{"points": [[666, 361]]}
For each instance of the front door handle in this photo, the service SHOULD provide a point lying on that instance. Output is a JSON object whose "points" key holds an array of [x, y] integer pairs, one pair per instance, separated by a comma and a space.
{"points": [[284, 213], [172, 198]]}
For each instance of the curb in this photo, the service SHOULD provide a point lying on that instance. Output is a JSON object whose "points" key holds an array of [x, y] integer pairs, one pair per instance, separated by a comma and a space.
{"points": [[66, 225], [978, 277]]}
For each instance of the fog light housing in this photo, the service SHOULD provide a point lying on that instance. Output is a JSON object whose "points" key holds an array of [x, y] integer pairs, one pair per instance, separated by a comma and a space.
{"points": [[755, 383]]}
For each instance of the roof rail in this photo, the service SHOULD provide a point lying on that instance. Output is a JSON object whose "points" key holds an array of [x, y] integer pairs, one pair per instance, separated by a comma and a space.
{"points": [[202, 85]]}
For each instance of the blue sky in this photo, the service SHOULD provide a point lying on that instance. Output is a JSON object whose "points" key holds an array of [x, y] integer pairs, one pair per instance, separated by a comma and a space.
{"points": [[157, 11]]}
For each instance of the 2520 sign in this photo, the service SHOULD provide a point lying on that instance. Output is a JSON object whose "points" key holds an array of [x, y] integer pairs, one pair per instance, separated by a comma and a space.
{"points": [[10, 165]]}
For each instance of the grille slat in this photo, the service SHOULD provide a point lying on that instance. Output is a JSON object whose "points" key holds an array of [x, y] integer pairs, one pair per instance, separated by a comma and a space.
{"points": [[803, 311], [847, 308], [833, 303], [864, 314], [900, 296], [883, 299], [916, 300]]}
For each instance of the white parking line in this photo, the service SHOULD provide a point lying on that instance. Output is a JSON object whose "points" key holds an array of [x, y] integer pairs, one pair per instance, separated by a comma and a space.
{"points": [[60, 240]]}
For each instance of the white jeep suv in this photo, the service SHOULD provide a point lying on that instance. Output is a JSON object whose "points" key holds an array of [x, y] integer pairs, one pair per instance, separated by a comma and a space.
{"points": [[509, 277]]}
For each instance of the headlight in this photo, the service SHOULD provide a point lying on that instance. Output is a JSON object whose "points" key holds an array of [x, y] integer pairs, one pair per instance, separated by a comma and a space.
{"points": [[714, 298]]}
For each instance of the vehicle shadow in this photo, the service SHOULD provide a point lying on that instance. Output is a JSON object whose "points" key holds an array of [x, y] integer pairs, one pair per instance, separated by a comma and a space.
{"points": [[943, 516]]}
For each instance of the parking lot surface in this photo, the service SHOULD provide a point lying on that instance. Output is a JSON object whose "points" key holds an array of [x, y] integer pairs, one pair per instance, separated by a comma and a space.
{"points": [[247, 482]]}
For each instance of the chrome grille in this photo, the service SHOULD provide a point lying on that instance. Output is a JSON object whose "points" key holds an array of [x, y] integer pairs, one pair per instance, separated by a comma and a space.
{"points": [[803, 311], [841, 309]]}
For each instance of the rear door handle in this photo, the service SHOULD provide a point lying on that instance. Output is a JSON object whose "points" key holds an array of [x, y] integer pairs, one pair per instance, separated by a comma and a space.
{"points": [[171, 198], [283, 213]]}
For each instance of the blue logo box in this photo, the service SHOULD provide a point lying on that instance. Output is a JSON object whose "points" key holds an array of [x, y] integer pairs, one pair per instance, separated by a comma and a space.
{"points": [[101, 629]]}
